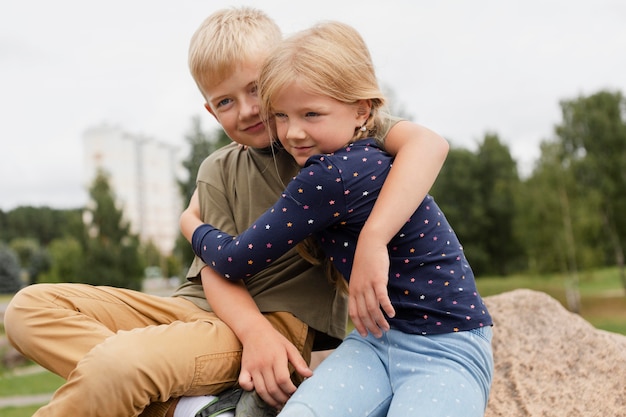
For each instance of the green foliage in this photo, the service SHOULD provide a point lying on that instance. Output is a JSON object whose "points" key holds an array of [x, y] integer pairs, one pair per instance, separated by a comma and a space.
{"points": [[111, 254], [10, 281], [33, 258], [43, 224], [66, 256], [476, 192], [593, 136], [499, 183], [38, 383], [151, 255]]}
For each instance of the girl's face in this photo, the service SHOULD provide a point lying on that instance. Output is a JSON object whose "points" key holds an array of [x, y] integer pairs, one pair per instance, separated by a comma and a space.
{"points": [[310, 124]]}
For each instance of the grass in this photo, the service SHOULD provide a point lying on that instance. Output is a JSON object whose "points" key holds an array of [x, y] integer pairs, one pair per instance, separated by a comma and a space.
{"points": [[603, 300], [36, 383], [603, 304]]}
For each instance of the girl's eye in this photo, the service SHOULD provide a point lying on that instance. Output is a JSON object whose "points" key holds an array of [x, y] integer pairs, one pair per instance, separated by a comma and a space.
{"points": [[312, 114], [280, 115], [254, 89]]}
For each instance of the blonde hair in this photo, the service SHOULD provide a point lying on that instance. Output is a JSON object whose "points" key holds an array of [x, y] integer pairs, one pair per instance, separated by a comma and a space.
{"points": [[226, 39], [329, 59]]}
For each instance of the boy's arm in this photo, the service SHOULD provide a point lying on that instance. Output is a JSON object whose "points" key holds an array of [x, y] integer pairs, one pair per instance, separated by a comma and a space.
{"points": [[265, 350], [190, 218], [419, 156]]}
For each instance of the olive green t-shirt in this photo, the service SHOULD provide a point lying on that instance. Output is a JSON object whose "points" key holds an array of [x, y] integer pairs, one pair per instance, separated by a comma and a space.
{"points": [[235, 186]]}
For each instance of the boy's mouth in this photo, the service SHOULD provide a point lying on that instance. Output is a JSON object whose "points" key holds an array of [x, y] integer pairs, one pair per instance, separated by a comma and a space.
{"points": [[255, 128]]}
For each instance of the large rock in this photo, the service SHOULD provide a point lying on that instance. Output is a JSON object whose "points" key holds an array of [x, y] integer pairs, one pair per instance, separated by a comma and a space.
{"points": [[550, 362]]}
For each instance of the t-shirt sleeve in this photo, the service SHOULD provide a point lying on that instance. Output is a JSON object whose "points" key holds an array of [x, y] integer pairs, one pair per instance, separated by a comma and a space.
{"points": [[214, 206], [312, 201], [388, 122]]}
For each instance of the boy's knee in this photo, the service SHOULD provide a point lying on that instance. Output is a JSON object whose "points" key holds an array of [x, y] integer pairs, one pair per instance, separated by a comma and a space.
{"points": [[19, 309]]}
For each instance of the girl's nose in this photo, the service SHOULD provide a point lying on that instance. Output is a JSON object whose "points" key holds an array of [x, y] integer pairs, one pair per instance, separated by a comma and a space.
{"points": [[294, 131]]}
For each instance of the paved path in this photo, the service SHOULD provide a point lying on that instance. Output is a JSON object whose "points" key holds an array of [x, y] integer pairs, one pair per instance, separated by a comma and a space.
{"points": [[25, 400]]}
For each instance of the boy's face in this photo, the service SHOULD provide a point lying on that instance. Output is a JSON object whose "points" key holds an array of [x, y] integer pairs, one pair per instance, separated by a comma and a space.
{"points": [[235, 105]]}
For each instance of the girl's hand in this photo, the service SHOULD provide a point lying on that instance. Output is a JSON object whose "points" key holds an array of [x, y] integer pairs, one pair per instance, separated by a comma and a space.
{"points": [[368, 288]]}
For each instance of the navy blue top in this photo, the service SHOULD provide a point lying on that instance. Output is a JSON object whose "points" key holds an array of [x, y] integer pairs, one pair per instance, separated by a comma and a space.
{"points": [[431, 284]]}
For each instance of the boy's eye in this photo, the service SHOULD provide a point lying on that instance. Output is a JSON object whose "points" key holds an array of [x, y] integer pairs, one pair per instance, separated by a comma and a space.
{"points": [[312, 114], [223, 102]]}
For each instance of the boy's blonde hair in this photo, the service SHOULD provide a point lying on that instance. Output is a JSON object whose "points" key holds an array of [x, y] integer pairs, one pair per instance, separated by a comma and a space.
{"points": [[226, 39], [329, 59]]}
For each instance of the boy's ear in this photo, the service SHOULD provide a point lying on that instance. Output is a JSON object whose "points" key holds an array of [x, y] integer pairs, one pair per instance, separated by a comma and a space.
{"points": [[210, 110]]}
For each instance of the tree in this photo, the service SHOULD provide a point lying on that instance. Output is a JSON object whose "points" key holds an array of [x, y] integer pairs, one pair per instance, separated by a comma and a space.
{"points": [[112, 252], [10, 281], [476, 191], [456, 190], [67, 256], [497, 175], [43, 224], [593, 136], [33, 258], [558, 229]]}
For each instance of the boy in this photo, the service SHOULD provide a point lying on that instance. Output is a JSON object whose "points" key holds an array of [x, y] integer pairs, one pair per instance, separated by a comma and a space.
{"points": [[124, 353]]}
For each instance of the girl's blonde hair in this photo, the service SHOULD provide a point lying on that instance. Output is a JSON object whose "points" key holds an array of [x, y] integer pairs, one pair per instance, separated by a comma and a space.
{"points": [[226, 39], [329, 59]]}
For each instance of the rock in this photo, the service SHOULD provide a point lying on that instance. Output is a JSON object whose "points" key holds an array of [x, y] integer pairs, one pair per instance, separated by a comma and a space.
{"points": [[550, 362]]}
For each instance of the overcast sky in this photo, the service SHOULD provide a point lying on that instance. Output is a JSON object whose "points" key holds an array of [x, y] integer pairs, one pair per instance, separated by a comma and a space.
{"points": [[460, 67]]}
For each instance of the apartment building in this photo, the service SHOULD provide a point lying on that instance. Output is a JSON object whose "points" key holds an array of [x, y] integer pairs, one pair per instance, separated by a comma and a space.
{"points": [[142, 174]]}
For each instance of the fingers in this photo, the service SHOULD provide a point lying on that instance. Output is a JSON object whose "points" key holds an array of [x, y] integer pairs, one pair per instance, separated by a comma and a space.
{"points": [[366, 311], [298, 362], [275, 390], [273, 384], [385, 303], [245, 380]]}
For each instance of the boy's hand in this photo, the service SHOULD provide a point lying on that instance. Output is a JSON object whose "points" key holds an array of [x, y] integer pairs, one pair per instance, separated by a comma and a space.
{"points": [[265, 365], [368, 289]]}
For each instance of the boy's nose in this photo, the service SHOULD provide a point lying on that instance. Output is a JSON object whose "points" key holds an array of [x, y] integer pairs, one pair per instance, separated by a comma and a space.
{"points": [[250, 107]]}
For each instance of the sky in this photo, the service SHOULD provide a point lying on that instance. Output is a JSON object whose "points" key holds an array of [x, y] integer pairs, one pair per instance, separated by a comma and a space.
{"points": [[462, 68]]}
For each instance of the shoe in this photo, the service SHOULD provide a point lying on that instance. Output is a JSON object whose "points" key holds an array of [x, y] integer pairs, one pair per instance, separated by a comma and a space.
{"points": [[251, 405], [226, 401]]}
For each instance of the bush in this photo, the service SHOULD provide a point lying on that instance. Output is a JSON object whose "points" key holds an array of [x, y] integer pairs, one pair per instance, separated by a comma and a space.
{"points": [[10, 281]]}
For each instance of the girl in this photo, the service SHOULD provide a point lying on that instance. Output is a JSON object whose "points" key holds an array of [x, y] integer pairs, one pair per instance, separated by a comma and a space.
{"points": [[319, 91]]}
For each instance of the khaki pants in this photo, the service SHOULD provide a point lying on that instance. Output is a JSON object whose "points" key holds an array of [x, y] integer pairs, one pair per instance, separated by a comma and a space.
{"points": [[121, 350]]}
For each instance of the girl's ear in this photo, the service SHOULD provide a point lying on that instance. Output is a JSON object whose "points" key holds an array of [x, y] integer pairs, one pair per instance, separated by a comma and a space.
{"points": [[363, 110]]}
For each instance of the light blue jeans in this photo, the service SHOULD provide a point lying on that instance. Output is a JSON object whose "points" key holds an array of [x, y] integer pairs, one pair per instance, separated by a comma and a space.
{"points": [[400, 375]]}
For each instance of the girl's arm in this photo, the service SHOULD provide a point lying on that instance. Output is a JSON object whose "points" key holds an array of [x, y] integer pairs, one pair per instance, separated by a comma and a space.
{"points": [[265, 350], [419, 156], [311, 202]]}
